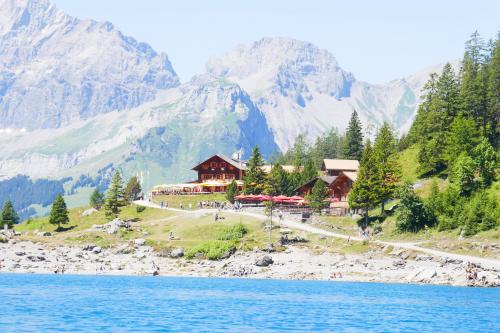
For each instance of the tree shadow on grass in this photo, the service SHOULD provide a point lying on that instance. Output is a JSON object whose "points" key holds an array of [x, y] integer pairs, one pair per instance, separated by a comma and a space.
{"points": [[62, 229]]}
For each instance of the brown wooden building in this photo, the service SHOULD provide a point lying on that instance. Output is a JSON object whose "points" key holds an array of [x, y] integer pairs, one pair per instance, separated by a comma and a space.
{"points": [[338, 176], [218, 171]]}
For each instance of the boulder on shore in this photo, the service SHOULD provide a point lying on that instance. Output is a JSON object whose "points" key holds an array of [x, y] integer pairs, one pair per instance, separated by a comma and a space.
{"points": [[140, 241], [177, 253], [264, 261]]}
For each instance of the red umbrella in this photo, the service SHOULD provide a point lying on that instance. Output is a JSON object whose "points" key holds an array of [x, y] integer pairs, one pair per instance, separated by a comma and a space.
{"points": [[263, 197], [280, 198], [295, 198], [240, 196]]}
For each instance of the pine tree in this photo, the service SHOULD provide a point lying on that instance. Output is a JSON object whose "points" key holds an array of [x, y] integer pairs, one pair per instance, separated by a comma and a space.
{"points": [[309, 171], [133, 189], [462, 137], [232, 191], [59, 213], [254, 180], [384, 154], [462, 174], [365, 191], [9, 215], [486, 162], [318, 195], [353, 143], [277, 181], [474, 80], [114, 197], [493, 95], [96, 199]]}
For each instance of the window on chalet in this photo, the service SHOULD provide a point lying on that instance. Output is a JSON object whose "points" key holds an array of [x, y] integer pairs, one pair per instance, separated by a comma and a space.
{"points": [[206, 176], [219, 176], [229, 176], [204, 166], [213, 165]]}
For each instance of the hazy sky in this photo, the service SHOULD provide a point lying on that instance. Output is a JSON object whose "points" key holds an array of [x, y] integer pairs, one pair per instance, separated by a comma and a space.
{"points": [[376, 40]]}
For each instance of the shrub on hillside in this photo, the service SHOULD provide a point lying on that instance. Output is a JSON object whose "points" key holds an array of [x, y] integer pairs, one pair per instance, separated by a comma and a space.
{"points": [[412, 214], [234, 232], [480, 213], [212, 250], [140, 209]]}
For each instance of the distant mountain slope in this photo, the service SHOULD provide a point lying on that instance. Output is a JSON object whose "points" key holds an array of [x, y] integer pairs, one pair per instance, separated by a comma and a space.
{"points": [[56, 69], [164, 137], [301, 88]]}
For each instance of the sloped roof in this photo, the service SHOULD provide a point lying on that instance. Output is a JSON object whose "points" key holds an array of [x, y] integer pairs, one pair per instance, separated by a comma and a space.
{"points": [[327, 179], [351, 175], [236, 163], [334, 164]]}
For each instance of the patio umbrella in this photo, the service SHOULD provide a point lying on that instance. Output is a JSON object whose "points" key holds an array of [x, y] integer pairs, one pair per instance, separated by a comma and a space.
{"points": [[263, 197], [280, 198]]}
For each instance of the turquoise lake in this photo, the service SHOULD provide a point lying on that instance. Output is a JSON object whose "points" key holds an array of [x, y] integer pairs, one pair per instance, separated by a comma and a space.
{"points": [[69, 303]]}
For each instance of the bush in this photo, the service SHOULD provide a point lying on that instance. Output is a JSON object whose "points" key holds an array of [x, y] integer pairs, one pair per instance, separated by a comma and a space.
{"points": [[233, 233], [140, 209], [412, 214], [212, 250], [480, 213]]}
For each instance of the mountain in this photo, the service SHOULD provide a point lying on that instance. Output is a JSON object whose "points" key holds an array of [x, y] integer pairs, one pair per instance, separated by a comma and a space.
{"points": [[302, 89], [78, 99], [56, 69]]}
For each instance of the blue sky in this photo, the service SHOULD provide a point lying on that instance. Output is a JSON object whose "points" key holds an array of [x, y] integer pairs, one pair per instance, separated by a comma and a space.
{"points": [[376, 40]]}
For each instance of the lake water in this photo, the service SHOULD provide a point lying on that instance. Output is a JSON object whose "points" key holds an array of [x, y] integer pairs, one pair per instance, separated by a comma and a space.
{"points": [[68, 303]]}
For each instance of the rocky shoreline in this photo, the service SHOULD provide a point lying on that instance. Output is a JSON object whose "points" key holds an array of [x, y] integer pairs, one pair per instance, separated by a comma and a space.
{"points": [[294, 262]]}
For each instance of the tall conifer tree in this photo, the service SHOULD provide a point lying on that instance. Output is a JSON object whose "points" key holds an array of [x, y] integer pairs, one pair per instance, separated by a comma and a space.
{"points": [[254, 180], [115, 198], [353, 143]]}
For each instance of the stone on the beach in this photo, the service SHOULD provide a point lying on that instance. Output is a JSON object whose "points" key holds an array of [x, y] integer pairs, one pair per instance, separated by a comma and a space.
{"points": [[453, 261], [399, 263], [89, 211], [125, 249], [20, 253], [36, 258], [264, 261], [177, 253], [228, 253], [89, 247], [44, 234], [113, 229], [140, 241], [97, 249], [427, 274]]}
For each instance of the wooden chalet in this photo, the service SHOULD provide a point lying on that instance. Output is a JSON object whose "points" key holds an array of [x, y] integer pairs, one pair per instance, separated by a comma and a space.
{"points": [[338, 176], [218, 171]]}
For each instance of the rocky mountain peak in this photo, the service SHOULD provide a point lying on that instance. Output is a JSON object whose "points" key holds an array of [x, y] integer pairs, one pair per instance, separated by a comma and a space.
{"points": [[55, 69], [290, 65]]}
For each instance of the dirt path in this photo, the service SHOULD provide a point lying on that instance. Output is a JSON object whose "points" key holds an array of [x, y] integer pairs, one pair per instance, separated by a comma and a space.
{"points": [[484, 262]]}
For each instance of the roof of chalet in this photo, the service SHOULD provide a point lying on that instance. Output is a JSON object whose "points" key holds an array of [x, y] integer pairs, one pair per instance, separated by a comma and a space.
{"points": [[334, 164], [352, 175], [288, 168], [242, 165], [327, 179]]}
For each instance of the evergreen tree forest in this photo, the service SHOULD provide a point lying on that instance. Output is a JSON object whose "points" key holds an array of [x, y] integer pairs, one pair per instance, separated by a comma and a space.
{"points": [[456, 131]]}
